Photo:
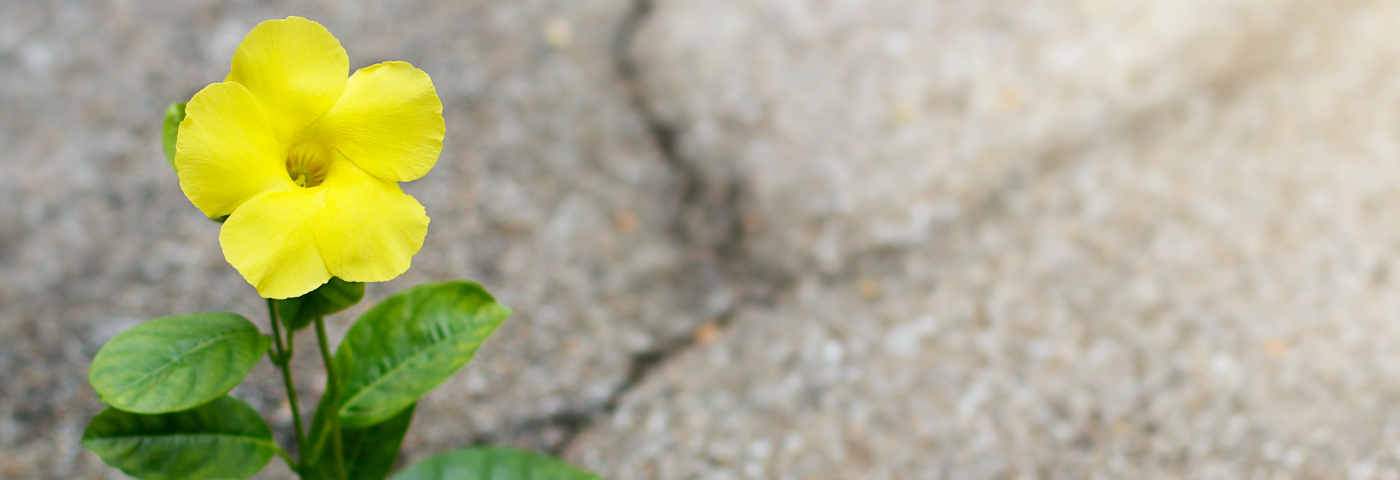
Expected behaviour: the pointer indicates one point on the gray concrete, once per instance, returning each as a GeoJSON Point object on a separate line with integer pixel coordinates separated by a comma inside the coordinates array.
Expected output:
{"type": "Point", "coordinates": [549, 191]}
{"type": "Point", "coordinates": [842, 239]}
{"type": "Point", "coordinates": [1061, 240]}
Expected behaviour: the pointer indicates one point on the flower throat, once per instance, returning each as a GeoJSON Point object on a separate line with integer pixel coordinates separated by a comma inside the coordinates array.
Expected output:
{"type": "Point", "coordinates": [307, 164]}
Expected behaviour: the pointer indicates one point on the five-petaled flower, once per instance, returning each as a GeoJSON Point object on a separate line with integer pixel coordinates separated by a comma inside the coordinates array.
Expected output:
{"type": "Point", "coordinates": [305, 162]}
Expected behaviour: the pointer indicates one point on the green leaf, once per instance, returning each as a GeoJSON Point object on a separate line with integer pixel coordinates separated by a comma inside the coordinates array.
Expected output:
{"type": "Point", "coordinates": [409, 344]}
{"type": "Point", "coordinates": [176, 363]}
{"type": "Point", "coordinates": [224, 438]}
{"type": "Point", "coordinates": [369, 452]}
{"type": "Point", "coordinates": [493, 463]}
{"type": "Point", "coordinates": [174, 114]}
{"type": "Point", "coordinates": [334, 296]}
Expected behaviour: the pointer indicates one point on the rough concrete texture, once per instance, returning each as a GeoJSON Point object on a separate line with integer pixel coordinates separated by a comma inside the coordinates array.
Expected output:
{"type": "Point", "coordinates": [801, 239]}
{"type": "Point", "coordinates": [1060, 240]}
{"type": "Point", "coordinates": [549, 191]}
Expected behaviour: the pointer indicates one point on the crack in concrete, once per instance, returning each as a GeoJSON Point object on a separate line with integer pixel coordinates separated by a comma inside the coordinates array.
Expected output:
{"type": "Point", "coordinates": [709, 218]}
{"type": "Point", "coordinates": [708, 223]}
{"type": "Point", "coordinates": [1223, 86]}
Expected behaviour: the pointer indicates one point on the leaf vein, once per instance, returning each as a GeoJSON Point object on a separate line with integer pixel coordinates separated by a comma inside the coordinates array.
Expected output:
{"type": "Point", "coordinates": [402, 365]}
{"type": "Point", "coordinates": [202, 345]}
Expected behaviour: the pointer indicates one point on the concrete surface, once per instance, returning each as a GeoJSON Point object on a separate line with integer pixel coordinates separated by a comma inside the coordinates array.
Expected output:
{"type": "Point", "coordinates": [1061, 240]}
{"type": "Point", "coordinates": [549, 192]}
{"type": "Point", "coordinates": [782, 239]}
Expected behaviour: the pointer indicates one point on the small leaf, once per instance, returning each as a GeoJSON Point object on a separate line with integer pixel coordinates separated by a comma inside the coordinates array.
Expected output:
{"type": "Point", "coordinates": [174, 114]}
{"type": "Point", "coordinates": [224, 438]}
{"type": "Point", "coordinates": [409, 344]}
{"type": "Point", "coordinates": [178, 362]}
{"type": "Point", "coordinates": [334, 296]}
{"type": "Point", "coordinates": [369, 452]}
{"type": "Point", "coordinates": [493, 463]}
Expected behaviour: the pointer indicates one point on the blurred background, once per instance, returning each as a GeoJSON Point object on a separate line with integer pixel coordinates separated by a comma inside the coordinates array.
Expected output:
{"type": "Point", "coordinates": [787, 239]}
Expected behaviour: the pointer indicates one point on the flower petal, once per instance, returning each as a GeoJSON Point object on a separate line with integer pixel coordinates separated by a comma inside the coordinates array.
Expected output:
{"type": "Point", "coordinates": [225, 153]}
{"type": "Point", "coordinates": [295, 68]}
{"type": "Point", "coordinates": [388, 121]}
{"type": "Point", "coordinates": [368, 230]}
{"type": "Point", "coordinates": [271, 240]}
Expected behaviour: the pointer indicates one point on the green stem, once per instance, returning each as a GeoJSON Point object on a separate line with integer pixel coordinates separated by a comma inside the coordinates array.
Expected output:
{"type": "Point", "coordinates": [332, 390]}
{"type": "Point", "coordinates": [318, 444]}
{"type": "Point", "coordinates": [283, 362]}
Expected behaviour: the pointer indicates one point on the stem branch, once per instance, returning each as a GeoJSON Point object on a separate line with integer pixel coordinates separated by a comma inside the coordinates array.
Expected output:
{"type": "Point", "coordinates": [282, 357]}
{"type": "Point", "coordinates": [333, 391]}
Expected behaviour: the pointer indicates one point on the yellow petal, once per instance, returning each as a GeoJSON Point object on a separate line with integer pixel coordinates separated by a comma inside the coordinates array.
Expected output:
{"type": "Point", "coordinates": [271, 240]}
{"type": "Point", "coordinates": [368, 229]}
{"type": "Point", "coordinates": [388, 121]}
{"type": "Point", "coordinates": [225, 153]}
{"type": "Point", "coordinates": [295, 68]}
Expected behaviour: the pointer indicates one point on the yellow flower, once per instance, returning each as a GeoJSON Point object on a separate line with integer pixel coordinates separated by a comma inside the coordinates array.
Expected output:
{"type": "Point", "coordinates": [305, 162]}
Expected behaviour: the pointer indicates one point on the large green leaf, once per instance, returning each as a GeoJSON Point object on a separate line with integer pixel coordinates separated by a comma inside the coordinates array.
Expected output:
{"type": "Point", "coordinates": [176, 363]}
{"type": "Point", "coordinates": [369, 452]}
{"type": "Point", "coordinates": [409, 344]}
{"type": "Point", "coordinates": [334, 296]}
{"type": "Point", "coordinates": [224, 438]}
{"type": "Point", "coordinates": [493, 463]}
{"type": "Point", "coordinates": [171, 129]}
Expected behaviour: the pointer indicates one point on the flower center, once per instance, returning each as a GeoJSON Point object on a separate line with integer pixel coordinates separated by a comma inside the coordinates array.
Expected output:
{"type": "Point", "coordinates": [306, 164]}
